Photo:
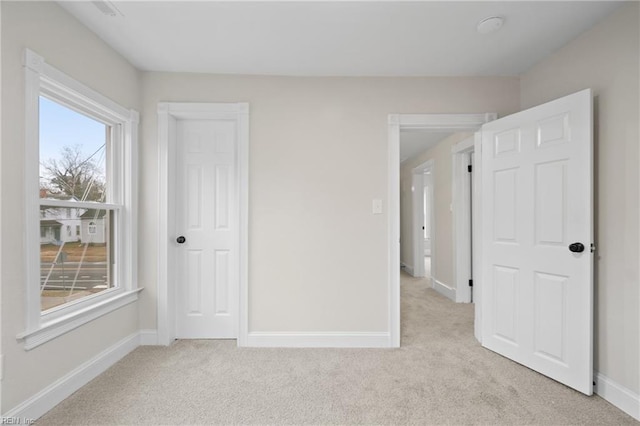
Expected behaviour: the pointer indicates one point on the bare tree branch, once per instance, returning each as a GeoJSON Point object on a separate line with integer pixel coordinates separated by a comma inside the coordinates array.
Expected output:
{"type": "Point", "coordinates": [74, 176]}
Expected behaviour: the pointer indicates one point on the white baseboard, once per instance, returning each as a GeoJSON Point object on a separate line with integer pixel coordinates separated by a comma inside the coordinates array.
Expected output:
{"type": "Point", "coordinates": [319, 340]}
{"type": "Point", "coordinates": [408, 269]}
{"type": "Point", "coordinates": [148, 337]}
{"type": "Point", "coordinates": [443, 289]}
{"type": "Point", "coordinates": [56, 392]}
{"type": "Point", "coordinates": [618, 395]}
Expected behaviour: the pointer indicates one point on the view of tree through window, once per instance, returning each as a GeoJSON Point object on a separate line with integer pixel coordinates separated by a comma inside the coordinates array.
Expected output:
{"type": "Point", "coordinates": [73, 171]}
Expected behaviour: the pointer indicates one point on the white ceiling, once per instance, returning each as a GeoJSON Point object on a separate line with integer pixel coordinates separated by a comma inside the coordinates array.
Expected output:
{"type": "Point", "coordinates": [414, 142]}
{"type": "Point", "coordinates": [338, 38]}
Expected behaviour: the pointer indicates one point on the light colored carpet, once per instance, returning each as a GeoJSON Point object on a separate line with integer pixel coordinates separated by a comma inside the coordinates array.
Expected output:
{"type": "Point", "coordinates": [440, 375]}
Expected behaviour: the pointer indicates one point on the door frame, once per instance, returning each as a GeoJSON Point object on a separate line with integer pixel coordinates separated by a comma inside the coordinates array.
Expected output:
{"type": "Point", "coordinates": [168, 115]}
{"type": "Point", "coordinates": [417, 175]}
{"type": "Point", "coordinates": [461, 199]}
{"type": "Point", "coordinates": [395, 123]}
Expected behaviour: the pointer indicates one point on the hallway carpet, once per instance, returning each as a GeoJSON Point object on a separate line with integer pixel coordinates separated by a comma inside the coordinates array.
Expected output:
{"type": "Point", "coordinates": [440, 375]}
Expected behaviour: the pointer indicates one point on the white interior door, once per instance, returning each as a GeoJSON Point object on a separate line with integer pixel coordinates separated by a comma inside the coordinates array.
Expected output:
{"type": "Point", "coordinates": [207, 217]}
{"type": "Point", "coordinates": [537, 294]}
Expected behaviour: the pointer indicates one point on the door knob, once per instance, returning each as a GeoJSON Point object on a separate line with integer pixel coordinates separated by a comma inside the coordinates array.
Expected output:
{"type": "Point", "coordinates": [181, 239]}
{"type": "Point", "coordinates": [576, 247]}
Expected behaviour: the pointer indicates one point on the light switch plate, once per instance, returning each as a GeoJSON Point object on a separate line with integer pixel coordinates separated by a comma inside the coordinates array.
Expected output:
{"type": "Point", "coordinates": [377, 206]}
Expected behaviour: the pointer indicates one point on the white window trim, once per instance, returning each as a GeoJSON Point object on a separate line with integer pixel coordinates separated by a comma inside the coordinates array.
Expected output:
{"type": "Point", "coordinates": [41, 77]}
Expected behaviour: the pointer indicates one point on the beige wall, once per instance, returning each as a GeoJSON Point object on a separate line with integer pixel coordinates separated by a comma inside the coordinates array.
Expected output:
{"type": "Point", "coordinates": [606, 59]}
{"type": "Point", "coordinates": [318, 156]}
{"type": "Point", "coordinates": [442, 234]}
{"type": "Point", "coordinates": [51, 32]}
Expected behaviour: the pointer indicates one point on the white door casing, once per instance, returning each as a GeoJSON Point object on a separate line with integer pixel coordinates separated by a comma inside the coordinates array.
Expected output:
{"type": "Point", "coordinates": [462, 208]}
{"type": "Point", "coordinates": [170, 278]}
{"type": "Point", "coordinates": [537, 295]}
{"type": "Point", "coordinates": [396, 122]}
{"type": "Point", "coordinates": [207, 218]}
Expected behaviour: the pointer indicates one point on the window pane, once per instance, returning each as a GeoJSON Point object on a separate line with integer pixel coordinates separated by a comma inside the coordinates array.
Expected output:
{"type": "Point", "coordinates": [73, 154]}
{"type": "Point", "coordinates": [74, 265]}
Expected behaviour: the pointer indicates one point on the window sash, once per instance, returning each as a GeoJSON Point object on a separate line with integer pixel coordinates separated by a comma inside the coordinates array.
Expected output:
{"type": "Point", "coordinates": [93, 205]}
{"type": "Point", "coordinates": [114, 249]}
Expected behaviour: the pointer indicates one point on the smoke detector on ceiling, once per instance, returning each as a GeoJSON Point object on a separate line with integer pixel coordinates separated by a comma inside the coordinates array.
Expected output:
{"type": "Point", "coordinates": [490, 24]}
{"type": "Point", "coordinates": [107, 8]}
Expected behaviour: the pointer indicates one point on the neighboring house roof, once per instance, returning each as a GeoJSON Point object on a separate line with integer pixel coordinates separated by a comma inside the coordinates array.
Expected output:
{"type": "Point", "coordinates": [61, 197]}
{"type": "Point", "coordinates": [93, 214]}
{"type": "Point", "coordinates": [49, 222]}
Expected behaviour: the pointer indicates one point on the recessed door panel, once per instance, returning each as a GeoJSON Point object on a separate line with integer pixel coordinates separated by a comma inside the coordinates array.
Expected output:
{"type": "Point", "coordinates": [223, 278]}
{"type": "Point", "coordinates": [505, 303]}
{"type": "Point", "coordinates": [507, 143]}
{"type": "Point", "coordinates": [550, 311]}
{"type": "Point", "coordinates": [194, 196]}
{"type": "Point", "coordinates": [505, 199]}
{"type": "Point", "coordinates": [553, 131]}
{"type": "Point", "coordinates": [551, 202]}
{"type": "Point", "coordinates": [223, 195]}
{"type": "Point", "coordinates": [224, 137]}
{"type": "Point", "coordinates": [194, 282]}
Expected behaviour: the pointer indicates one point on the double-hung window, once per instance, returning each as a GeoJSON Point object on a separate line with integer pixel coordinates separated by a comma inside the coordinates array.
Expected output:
{"type": "Point", "coordinates": [80, 153]}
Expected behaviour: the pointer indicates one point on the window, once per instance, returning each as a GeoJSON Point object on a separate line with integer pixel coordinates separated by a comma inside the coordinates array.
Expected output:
{"type": "Point", "coordinates": [74, 150]}
{"type": "Point", "coordinates": [80, 154]}
{"type": "Point", "coordinates": [92, 228]}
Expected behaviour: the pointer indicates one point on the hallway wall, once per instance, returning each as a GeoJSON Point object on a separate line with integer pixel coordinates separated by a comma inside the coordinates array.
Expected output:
{"type": "Point", "coordinates": [442, 234]}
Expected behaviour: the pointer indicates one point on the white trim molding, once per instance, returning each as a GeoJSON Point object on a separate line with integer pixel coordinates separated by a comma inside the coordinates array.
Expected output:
{"type": "Point", "coordinates": [148, 337]}
{"type": "Point", "coordinates": [477, 234]}
{"type": "Point", "coordinates": [168, 114]}
{"type": "Point", "coordinates": [56, 392]}
{"type": "Point", "coordinates": [395, 123]}
{"type": "Point", "coordinates": [461, 197]}
{"type": "Point", "coordinates": [393, 228]}
{"type": "Point", "coordinates": [408, 268]}
{"type": "Point", "coordinates": [445, 290]}
{"type": "Point", "coordinates": [618, 395]}
{"type": "Point", "coordinates": [318, 340]}
{"type": "Point", "coordinates": [51, 329]}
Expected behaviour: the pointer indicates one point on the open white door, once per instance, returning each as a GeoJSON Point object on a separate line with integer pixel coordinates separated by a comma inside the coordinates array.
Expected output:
{"type": "Point", "coordinates": [537, 221]}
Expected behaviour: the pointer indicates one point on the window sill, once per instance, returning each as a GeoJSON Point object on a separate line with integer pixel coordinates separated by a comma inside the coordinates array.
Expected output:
{"type": "Point", "coordinates": [56, 327]}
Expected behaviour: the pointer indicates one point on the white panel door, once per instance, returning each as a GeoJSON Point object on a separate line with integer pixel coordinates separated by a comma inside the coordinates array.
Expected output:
{"type": "Point", "coordinates": [207, 218]}
{"type": "Point", "coordinates": [537, 294]}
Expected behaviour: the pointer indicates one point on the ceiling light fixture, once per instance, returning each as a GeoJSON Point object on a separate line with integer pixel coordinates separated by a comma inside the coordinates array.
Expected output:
{"type": "Point", "coordinates": [107, 8]}
{"type": "Point", "coordinates": [490, 24]}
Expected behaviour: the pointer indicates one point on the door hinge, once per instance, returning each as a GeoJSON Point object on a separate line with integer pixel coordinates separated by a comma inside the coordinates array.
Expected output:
{"type": "Point", "coordinates": [469, 168]}
{"type": "Point", "coordinates": [470, 283]}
